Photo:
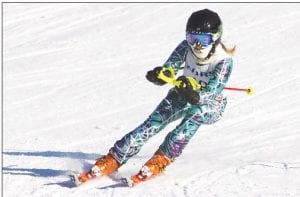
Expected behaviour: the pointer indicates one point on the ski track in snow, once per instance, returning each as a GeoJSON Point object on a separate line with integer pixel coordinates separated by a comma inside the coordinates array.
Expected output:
{"type": "Point", "coordinates": [73, 84]}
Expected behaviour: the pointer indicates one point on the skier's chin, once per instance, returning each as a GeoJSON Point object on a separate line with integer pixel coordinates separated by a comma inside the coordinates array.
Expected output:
{"type": "Point", "coordinates": [201, 54]}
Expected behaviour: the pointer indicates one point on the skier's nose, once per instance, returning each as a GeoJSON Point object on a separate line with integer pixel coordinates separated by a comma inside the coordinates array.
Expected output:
{"type": "Point", "coordinates": [198, 46]}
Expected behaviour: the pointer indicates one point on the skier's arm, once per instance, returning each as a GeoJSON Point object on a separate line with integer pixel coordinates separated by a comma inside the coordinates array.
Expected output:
{"type": "Point", "coordinates": [217, 81]}
{"type": "Point", "coordinates": [177, 57]}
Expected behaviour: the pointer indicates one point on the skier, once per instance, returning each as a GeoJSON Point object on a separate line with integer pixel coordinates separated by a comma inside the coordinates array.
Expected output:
{"type": "Point", "coordinates": [206, 60]}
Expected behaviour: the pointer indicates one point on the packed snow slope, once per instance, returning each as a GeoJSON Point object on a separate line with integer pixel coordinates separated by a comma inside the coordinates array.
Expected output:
{"type": "Point", "coordinates": [74, 83]}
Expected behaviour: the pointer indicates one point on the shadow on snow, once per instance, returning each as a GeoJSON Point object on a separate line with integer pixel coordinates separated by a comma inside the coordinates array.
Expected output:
{"type": "Point", "coordinates": [74, 155]}
{"type": "Point", "coordinates": [38, 172]}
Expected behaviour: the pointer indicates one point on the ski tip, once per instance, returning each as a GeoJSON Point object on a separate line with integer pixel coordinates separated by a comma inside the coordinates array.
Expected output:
{"type": "Point", "coordinates": [128, 181]}
{"type": "Point", "coordinates": [74, 177]}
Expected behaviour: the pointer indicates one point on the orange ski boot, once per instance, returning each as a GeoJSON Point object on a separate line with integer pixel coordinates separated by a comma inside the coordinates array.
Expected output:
{"type": "Point", "coordinates": [153, 167]}
{"type": "Point", "coordinates": [103, 166]}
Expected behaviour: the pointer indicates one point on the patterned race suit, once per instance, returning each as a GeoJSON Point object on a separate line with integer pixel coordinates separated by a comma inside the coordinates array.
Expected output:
{"type": "Point", "coordinates": [212, 75]}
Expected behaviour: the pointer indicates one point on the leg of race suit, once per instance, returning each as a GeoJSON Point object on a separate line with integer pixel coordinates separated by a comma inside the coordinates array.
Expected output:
{"type": "Point", "coordinates": [196, 115]}
{"type": "Point", "coordinates": [170, 109]}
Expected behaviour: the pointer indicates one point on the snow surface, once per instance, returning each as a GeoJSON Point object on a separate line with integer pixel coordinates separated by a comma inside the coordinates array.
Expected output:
{"type": "Point", "coordinates": [74, 84]}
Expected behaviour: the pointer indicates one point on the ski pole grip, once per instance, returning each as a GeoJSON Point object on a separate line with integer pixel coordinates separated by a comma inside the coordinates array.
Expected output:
{"type": "Point", "coordinates": [167, 79]}
{"type": "Point", "coordinates": [171, 79]}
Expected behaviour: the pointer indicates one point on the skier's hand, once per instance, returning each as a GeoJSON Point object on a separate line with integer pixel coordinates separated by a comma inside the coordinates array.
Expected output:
{"type": "Point", "coordinates": [185, 89]}
{"type": "Point", "coordinates": [152, 75]}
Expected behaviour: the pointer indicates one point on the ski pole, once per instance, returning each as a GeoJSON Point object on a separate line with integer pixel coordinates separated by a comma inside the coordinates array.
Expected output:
{"type": "Point", "coordinates": [248, 90]}
{"type": "Point", "coordinates": [171, 80]}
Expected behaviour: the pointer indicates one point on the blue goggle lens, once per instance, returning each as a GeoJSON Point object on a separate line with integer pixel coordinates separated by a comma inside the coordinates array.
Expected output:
{"type": "Point", "coordinates": [204, 39]}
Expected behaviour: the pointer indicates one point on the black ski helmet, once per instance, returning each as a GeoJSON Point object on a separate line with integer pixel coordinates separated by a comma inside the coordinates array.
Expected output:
{"type": "Point", "coordinates": [206, 21]}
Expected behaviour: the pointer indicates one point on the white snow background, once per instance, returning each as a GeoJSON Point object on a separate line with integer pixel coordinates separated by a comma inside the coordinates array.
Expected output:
{"type": "Point", "coordinates": [74, 83]}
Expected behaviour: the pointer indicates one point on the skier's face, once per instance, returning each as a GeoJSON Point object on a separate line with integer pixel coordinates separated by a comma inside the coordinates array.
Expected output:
{"type": "Point", "coordinates": [200, 43]}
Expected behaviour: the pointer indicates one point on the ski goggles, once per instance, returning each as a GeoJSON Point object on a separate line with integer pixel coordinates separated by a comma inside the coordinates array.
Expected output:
{"type": "Point", "coordinates": [204, 39]}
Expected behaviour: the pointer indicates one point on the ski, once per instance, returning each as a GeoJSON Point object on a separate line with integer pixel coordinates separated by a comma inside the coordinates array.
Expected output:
{"type": "Point", "coordinates": [128, 181]}
{"type": "Point", "coordinates": [74, 177]}
{"type": "Point", "coordinates": [79, 178]}
{"type": "Point", "coordinates": [133, 180]}
{"type": "Point", "coordinates": [121, 181]}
